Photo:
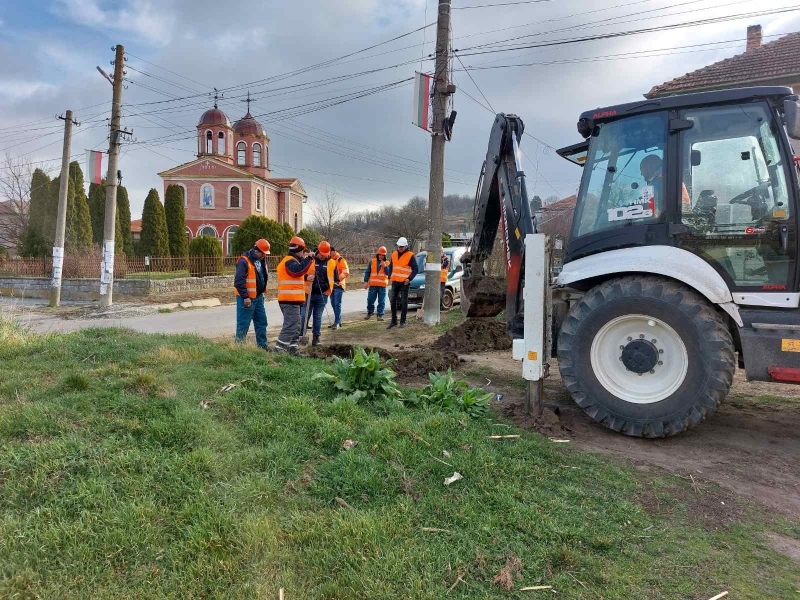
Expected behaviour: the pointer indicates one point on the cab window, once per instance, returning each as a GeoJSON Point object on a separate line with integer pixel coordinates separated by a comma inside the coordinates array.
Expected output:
{"type": "Point", "coordinates": [623, 181]}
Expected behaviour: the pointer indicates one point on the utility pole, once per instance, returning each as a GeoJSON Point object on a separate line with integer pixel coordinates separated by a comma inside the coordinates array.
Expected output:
{"type": "Point", "coordinates": [61, 220]}
{"type": "Point", "coordinates": [107, 266]}
{"type": "Point", "coordinates": [441, 92]}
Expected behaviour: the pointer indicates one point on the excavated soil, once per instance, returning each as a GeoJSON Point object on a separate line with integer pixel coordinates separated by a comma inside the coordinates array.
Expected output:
{"type": "Point", "coordinates": [475, 335]}
{"type": "Point", "coordinates": [487, 295]}
{"type": "Point", "coordinates": [414, 363]}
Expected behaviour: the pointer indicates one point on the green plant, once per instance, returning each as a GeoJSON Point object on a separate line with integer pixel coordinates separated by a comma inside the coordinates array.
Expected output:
{"type": "Point", "coordinates": [155, 236]}
{"type": "Point", "coordinates": [176, 221]}
{"type": "Point", "coordinates": [256, 227]}
{"type": "Point", "coordinates": [362, 378]}
{"type": "Point", "coordinates": [205, 256]}
{"type": "Point", "coordinates": [449, 394]}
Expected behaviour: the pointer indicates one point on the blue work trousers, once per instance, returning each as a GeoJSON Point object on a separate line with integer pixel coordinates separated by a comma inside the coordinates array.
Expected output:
{"type": "Point", "coordinates": [336, 302]}
{"type": "Point", "coordinates": [255, 314]}
{"type": "Point", "coordinates": [376, 293]}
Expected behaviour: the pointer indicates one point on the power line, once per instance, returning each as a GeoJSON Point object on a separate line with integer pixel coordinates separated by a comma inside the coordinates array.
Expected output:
{"type": "Point", "coordinates": [498, 4]}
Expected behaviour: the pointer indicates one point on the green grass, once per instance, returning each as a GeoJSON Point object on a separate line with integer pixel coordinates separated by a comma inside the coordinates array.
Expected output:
{"type": "Point", "coordinates": [124, 474]}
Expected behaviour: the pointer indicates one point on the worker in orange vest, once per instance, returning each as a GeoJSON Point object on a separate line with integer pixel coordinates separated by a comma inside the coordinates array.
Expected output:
{"type": "Point", "coordinates": [326, 275]}
{"type": "Point", "coordinates": [402, 269]}
{"type": "Point", "coordinates": [292, 273]}
{"type": "Point", "coordinates": [249, 285]}
{"type": "Point", "coordinates": [376, 280]}
{"type": "Point", "coordinates": [443, 274]}
{"type": "Point", "coordinates": [339, 287]}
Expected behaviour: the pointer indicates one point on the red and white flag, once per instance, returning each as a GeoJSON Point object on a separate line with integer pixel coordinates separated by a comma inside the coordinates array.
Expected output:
{"type": "Point", "coordinates": [94, 166]}
{"type": "Point", "coordinates": [422, 101]}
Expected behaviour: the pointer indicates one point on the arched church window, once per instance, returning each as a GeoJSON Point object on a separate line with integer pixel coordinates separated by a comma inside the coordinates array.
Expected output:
{"type": "Point", "coordinates": [221, 143]}
{"type": "Point", "coordinates": [258, 200]}
{"type": "Point", "coordinates": [209, 142]}
{"type": "Point", "coordinates": [256, 155]}
{"type": "Point", "coordinates": [295, 222]}
{"type": "Point", "coordinates": [234, 197]}
{"type": "Point", "coordinates": [241, 153]}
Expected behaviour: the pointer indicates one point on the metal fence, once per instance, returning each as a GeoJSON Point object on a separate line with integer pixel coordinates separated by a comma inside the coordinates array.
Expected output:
{"type": "Point", "coordinates": [88, 266]}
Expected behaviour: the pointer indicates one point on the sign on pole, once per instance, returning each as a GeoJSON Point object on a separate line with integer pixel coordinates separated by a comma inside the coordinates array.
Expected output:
{"type": "Point", "coordinates": [94, 166]}
{"type": "Point", "coordinates": [422, 101]}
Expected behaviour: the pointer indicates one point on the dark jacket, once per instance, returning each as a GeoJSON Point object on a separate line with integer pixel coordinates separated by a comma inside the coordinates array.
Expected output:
{"type": "Point", "coordinates": [298, 266]}
{"type": "Point", "coordinates": [240, 279]}
{"type": "Point", "coordinates": [321, 284]}
{"type": "Point", "coordinates": [412, 264]}
{"type": "Point", "coordinates": [445, 263]}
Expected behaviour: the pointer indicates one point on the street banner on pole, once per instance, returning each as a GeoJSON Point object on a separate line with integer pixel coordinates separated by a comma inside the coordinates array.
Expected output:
{"type": "Point", "coordinates": [94, 166]}
{"type": "Point", "coordinates": [422, 101]}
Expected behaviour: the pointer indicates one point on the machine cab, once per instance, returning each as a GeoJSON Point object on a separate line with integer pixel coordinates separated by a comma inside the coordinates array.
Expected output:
{"type": "Point", "coordinates": [712, 173]}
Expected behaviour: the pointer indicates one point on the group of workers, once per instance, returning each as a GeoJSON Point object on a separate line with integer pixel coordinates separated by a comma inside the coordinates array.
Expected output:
{"type": "Point", "coordinates": [306, 279]}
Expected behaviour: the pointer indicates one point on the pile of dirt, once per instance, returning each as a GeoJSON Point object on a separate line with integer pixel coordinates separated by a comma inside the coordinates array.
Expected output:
{"type": "Point", "coordinates": [483, 296]}
{"type": "Point", "coordinates": [408, 363]}
{"type": "Point", "coordinates": [475, 335]}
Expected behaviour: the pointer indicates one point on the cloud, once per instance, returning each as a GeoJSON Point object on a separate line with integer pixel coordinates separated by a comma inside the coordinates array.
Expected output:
{"type": "Point", "coordinates": [142, 18]}
{"type": "Point", "coordinates": [21, 90]}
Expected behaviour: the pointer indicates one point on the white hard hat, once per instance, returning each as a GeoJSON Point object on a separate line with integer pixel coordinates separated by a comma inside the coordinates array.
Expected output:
{"type": "Point", "coordinates": [402, 242]}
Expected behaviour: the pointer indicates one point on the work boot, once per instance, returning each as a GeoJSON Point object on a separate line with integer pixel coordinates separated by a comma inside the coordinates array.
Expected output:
{"type": "Point", "coordinates": [402, 325]}
{"type": "Point", "coordinates": [392, 324]}
{"type": "Point", "coordinates": [380, 317]}
{"type": "Point", "coordinates": [315, 340]}
{"type": "Point", "coordinates": [368, 317]}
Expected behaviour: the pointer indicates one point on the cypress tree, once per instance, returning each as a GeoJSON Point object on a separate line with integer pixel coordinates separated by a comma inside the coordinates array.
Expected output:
{"type": "Point", "coordinates": [176, 221]}
{"type": "Point", "coordinates": [155, 237]}
{"type": "Point", "coordinates": [79, 223]}
{"type": "Point", "coordinates": [36, 241]}
{"type": "Point", "coordinates": [97, 210]}
{"type": "Point", "coordinates": [124, 219]}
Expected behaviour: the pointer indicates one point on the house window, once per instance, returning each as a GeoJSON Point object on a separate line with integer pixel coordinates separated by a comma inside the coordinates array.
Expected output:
{"type": "Point", "coordinates": [234, 197]}
{"type": "Point", "coordinates": [241, 153]}
{"type": "Point", "coordinates": [221, 143]}
{"type": "Point", "coordinates": [256, 155]}
{"type": "Point", "coordinates": [295, 222]}
{"type": "Point", "coordinates": [207, 230]}
{"type": "Point", "coordinates": [258, 200]}
{"type": "Point", "coordinates": [207, 196]}
{"type": "Point", "coordinates": [209, 142]}
{"type": "Point", "coordinates": [229, 239]}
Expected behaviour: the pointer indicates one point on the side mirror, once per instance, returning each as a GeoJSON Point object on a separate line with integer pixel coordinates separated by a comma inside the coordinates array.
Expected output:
{"type": "Point", "coordinates": [791, 114]}
{"type": "Point", "coordinates": [696, 158]}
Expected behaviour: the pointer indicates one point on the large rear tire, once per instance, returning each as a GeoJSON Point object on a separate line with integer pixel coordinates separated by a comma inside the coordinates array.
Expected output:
{"type": "Point", "coordinates": [646, 356]}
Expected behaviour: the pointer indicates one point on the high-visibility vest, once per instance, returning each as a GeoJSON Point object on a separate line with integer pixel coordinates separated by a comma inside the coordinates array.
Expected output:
{"type": "Point", "coordinates": [444, 272]}
{"type": "Point", "coordinates": [291, 287]}
{"type": "Point", "coordinates": [331, 266]}
{"type": "Point", "coordinates": [377, 274]}
{"type": "Point", "coordinates": [401, 269]}
{"type": "Point", "coordinates": [344, 271]}
{"type": "Point", "coordinates": [250, 282]}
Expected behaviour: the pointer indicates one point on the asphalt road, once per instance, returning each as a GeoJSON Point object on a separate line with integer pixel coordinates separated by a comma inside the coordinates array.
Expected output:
{"type": "Point", "coordinates": [208, 322]}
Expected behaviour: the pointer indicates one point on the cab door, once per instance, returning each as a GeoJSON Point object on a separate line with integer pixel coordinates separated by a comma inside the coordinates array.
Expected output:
{"type": "Point", "coordinates": [736, 210]}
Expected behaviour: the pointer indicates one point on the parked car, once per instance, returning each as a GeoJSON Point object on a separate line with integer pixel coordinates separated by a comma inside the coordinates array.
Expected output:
{"type": "Point", "coordinates": [452, 290]}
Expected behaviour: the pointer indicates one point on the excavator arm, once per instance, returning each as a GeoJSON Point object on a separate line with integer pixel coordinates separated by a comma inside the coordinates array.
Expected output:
{"type": "Point", "coordinates": [501, 199]}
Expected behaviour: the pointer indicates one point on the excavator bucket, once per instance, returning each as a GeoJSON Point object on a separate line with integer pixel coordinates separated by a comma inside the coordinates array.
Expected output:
{"type": "Point", "coordinates": [483, 296]}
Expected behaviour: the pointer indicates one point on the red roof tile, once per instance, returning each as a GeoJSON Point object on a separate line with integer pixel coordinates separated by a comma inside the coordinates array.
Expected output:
{"type": "Point", "coordinates": [136, 226]}
{"type": "Point", "coordinates": [283, 181]}
{"type": "Point", "coordinates": [773, 63]}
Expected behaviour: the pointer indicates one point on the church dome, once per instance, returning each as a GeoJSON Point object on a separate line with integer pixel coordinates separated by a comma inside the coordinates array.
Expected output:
{"type": "Point", "coordinates": [247, 125]}
{"type": "Point", "coordinates": [214, 116]}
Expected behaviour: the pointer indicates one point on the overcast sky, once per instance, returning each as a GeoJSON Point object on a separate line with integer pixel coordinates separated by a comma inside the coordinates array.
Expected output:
{"type": "Point", "coordinates": [366, 149]}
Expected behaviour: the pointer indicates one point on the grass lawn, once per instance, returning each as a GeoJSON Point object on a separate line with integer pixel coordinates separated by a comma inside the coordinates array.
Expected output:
{"type": "Point", "coordinates": [123, 474]}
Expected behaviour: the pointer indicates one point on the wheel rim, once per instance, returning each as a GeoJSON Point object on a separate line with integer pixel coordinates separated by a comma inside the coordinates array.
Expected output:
{"type": "Point", "coordinates": [639, 359]}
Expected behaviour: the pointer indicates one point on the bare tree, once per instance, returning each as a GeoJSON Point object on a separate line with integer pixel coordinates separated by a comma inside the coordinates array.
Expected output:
{"type": "Point", "coordinates": [409, 221]}
{"type": "Point", "coordinates": [15, 195]}
{"type": "Point", "coordinates": [326, 217]}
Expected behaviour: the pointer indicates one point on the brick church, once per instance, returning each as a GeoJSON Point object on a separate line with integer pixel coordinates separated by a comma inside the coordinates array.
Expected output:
{"type": "Point", "coordinates": [230, 180]}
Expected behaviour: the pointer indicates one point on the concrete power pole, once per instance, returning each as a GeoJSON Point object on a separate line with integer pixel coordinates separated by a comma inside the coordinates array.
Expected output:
{"type": "Point", "coordinates": [109, 226]}
{"type": "Point", "coordinates": [61, 220]}
{"type": "Point", "coordinates": [441, 92]}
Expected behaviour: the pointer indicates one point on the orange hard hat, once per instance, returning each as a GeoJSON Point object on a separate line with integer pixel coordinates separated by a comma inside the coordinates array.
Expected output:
{"type": "Point", "coordinates": [297, 241]}
{"type": "Point", "coordinates": [262, 245]}
{"type": "Point", "coordinates": [382, 250]}
{"type": "Point", "coordinates": [324, 248]}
